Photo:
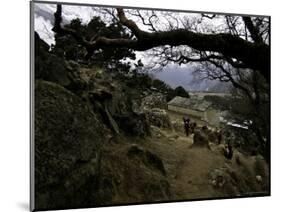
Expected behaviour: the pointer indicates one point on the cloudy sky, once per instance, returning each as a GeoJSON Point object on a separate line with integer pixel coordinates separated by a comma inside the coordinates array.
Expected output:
{"type": "Point", "coordinates": [44, 18]}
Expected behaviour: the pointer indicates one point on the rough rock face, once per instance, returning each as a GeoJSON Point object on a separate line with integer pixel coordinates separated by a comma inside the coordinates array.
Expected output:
{"type": "Point", "coordinates": [132, 174]}
{"type": "Point", "coordinates": [68, 138]}
{"type": "Point", "coordinates": [148, 158]}
{"type": "Point", "coordinates": [114, 103]}
{"type": "Point", "coordinates": [132, 124]}
{"type": "Point", "coordinates": [125, 114]}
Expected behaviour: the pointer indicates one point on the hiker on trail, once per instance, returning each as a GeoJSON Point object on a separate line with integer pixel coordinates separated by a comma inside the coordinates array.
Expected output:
{"type": "Point", "coordinates": [193, 126]}
{"type": "Point", "coordinates": [228, 152]}
{"type": "Point", "coordinates": [186, 125]}
{"type": "Point", "coordinates": [219, 136]}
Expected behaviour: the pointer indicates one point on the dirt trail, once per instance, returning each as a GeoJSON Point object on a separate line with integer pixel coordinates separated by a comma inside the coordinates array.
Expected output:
{"type": "Point", "coordinates": [187, 168]}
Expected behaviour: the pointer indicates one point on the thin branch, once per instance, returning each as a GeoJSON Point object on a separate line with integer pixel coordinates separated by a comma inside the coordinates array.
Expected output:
{"type": "Point", "coordinates": [149, 23]}
{"type": "Point", "coordinates": [129, 23]}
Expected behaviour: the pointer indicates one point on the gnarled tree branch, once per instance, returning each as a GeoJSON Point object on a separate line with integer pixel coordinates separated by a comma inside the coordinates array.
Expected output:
{"type": "Point", "coordinates": [254, 55]}
{"type": "Point", "coordinates": [129, 23]}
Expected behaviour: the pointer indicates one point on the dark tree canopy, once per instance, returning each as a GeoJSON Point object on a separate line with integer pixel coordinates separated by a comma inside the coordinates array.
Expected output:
{"type": "Point", "coordinates": [69, 47]}
{"type": "Point", "coordinates": [180, 91]}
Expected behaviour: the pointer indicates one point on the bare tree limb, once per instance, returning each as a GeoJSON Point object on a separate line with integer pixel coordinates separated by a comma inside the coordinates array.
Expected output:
{"type": "Point", "coordinates": [144, 22]}
{"type": "Point", "coordinates": [252, 29]}
{"type": "Point", "coordinates": [129, 23]}
{"type": "Point", "coordinates": [232, 80]}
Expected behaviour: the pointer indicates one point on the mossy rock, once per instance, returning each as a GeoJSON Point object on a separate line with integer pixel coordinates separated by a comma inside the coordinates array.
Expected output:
{"type": "Point", "coordinates": [68, 139]}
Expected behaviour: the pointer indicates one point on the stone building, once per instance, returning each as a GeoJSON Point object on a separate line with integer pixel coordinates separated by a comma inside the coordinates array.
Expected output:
{"type": "Point", "coordinates": [195, 107]}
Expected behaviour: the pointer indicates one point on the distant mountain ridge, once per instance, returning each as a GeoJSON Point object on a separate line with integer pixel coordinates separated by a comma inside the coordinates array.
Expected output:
{"type": "Point", "coordinates": [183, 76]}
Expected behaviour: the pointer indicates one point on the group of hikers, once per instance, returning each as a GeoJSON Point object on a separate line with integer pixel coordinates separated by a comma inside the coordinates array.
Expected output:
{"type": "Point", "coordinates": [189, 128]}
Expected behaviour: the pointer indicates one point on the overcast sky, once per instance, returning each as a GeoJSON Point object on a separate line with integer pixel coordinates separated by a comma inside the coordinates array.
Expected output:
{"type": "Point", "coordinates": [44, 18]}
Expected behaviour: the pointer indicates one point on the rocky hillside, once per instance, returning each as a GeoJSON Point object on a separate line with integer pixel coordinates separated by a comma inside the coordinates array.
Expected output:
{"type": "Point", "coordinates": [103, 138]}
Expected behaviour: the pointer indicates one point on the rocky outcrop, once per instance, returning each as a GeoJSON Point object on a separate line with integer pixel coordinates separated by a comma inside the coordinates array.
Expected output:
{"type": "Point", "coordinates": [153, 100]}
{"type": "Point", "coordinates": [68, 139]}
{"type": "Point", "coordinates": [131, 173]}
{"type": "Point", "coordinates": [159, 117]}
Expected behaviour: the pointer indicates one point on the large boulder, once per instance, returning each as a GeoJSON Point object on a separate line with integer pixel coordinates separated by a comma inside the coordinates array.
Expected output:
{"type": "Point", "coordinates": [147, 157]}
{"type": "Point", "coordinates": [200, 139]}
{"type": "Point", "coordinates": [68, 139]}
{"type": "Point", "coordinates": [131, 173]}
